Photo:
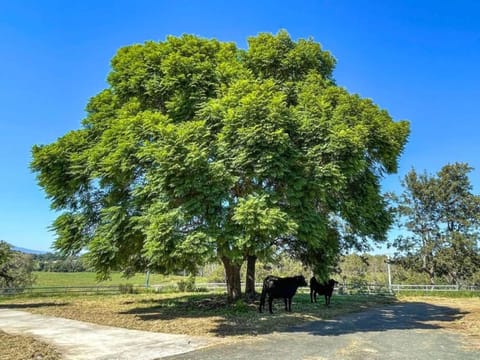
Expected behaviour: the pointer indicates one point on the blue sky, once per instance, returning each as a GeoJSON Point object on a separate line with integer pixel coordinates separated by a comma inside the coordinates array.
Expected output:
{"type": "Point", "coordinates": [416, 59]}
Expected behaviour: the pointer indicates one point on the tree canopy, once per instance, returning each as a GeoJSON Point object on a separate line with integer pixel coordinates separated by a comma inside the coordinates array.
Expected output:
{"type": "Point", "coordinates": [199, 150]}
{"type": "Point", "coordinates": [440, 217]}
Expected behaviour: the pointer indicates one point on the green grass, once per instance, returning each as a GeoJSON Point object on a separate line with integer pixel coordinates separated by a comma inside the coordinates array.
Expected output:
{"type": "Point", "coordinates": [439, 294]}
{"type": "Point", "coordinates": [50, 279]}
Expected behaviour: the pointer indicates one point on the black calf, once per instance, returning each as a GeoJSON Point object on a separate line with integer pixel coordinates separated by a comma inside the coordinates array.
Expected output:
{"type": "Point", "coordinates": [277, 287]}
{"type": "Point", "coordinates": [321, 289]}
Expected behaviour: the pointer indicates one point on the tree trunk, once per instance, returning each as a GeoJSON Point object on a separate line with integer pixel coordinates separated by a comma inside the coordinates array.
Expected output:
{"type": "Point", "coordinates": [428, 268]}
{"type": "Point", "coordinates": [250, 278]}
{"type": "Point", "coordinates": [232, 275]}
{"type": "Point", "coordinates": [431, 275]}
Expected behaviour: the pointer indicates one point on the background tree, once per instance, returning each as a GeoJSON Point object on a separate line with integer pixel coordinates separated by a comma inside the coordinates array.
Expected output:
{"type": "Point", "coordinates": [15, 268]}
{"type": "Point", "coordinates": [199, 151]}
{"type": "Point", "coordinates": [55, 262]}
{"type": "Point", "coordinates": [441, 218]}
{"type": "Point", "coordinates": [363, 269]}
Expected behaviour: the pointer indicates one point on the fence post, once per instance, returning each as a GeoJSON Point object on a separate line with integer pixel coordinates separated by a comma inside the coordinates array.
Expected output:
{"type": "Point", "coordinates": [147, 279]}
{"type": "Point", "coordinates": [389, 275]}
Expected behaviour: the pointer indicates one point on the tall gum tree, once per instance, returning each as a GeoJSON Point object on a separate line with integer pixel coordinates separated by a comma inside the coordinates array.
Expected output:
{"type": "Point", "coordinates": [440, 221]}
{"type": "Point", "coordinates": [199, 150]}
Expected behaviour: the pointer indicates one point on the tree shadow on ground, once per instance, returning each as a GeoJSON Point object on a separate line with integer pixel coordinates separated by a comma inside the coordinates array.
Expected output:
{"type": "Point", "coordinates": [183, 306]}
{"type": "Point", "coordinates": [244, 319]}
{"type": "Point", "coordinates": [32, 305]}
{"type": "Point", "coordinates": [400, 316]}
{"type": "Point", "coordinates": [210, 311]}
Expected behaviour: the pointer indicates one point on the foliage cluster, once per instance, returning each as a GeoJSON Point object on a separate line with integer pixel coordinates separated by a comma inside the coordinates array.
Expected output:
{"type": "Point", "coordinates": [16, 269]}
{"type": "Point", "coordinates": [55, 262]}
{"type": "Point", "coordinates": [283, 266]}
{"type": "Point", "coordinates": [353, 269]}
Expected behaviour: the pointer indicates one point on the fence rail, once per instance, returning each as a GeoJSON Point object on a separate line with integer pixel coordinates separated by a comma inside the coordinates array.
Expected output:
{"type": "Point", "coordinates": [347, 289]}
{"type": "Point", "coordinates": [400, 287]}
{"type": "Point", "coordinates": [58, 290]}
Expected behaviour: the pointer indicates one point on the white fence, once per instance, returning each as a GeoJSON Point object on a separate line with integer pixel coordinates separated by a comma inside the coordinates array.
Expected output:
{"type": "Point", "coordinates": [58, 290]}
{"type": "Point", "coordinates": [206, 286]}
{"type": "Point", "coordinates": [399, 288]}
{"type": "Point", "coordinates": [345, 289]}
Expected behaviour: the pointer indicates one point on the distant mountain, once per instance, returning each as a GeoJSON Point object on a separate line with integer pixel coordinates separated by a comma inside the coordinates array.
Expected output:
{"type": "Point", "coordinates": [27, 251]}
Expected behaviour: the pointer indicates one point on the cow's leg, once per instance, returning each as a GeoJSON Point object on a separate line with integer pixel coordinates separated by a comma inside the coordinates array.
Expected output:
{"type": "Point", "coordinates": [262, 299]}
{"type": "Point", "coordinates": [286, 303]}
{"type": "Point", "coordinates": [270, 301]}
{"type": "Point", "coordinates": [312, 294]}
{"type": "Point", "coordinates": [290, 304]}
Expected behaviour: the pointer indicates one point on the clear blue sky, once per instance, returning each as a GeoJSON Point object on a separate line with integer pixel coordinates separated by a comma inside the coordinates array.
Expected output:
{"type": "Point", "coordinates": [417, 59]}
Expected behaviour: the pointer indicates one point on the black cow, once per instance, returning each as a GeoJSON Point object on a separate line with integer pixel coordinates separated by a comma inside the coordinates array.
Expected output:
{"type": "Point", "coordinates": [277, 288]}
{"type": "Point", "coordinates": [321, 289]}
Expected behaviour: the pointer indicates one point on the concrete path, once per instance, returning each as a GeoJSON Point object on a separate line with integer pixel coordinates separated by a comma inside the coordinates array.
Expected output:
{"type": "Point", "coordinates": [78, 340]}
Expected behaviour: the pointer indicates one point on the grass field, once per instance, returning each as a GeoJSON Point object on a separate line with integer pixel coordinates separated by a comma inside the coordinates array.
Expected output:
{"type": "Point", "coordinates": [46, 279]}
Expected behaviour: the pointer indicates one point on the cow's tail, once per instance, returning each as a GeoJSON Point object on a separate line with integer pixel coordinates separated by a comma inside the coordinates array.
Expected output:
{"type": "Point", "coordinates": [262, 298]}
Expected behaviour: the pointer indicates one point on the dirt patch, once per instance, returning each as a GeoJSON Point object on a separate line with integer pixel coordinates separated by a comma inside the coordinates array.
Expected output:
{"type": "Point", "coordinates": [21, 347]}
{"type": "Point", "coordinates": [468, 324]}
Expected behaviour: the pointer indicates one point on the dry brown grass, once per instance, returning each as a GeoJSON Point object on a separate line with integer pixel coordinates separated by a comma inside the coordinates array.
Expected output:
{"type": "Point", "coordinates": [191, 314]}
{"type": "Point", "coordinates": [21, 347]}
{"type": "Point", "coordinates": [468, 324]}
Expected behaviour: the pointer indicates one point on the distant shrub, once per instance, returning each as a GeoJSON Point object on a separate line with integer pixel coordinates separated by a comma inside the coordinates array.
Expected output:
{"type": "Point", "coordinates": [167, 289]}
{"type": "Point", "coordinates": [127, 289]}
{"type": "Point", "coordinates": [187, 285]}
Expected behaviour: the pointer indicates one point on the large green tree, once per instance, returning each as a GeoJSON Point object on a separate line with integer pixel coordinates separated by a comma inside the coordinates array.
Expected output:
{"type": "Point", "coordinates": [440, 221]}
{"type": "Point", "coordinates": [199, 150]}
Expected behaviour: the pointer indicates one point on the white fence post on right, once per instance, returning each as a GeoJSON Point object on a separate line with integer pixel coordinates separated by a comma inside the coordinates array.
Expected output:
{"type": "Point", "coordinates": [389, 275]}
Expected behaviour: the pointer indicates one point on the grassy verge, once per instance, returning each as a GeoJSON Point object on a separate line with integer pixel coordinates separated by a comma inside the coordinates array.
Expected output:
{"type": "Point", "coordinates": [47, 279]}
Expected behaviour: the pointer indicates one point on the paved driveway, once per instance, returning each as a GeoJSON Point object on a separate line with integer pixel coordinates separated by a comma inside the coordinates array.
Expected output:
{"type": "Point", "coordinates": [401, 331]}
